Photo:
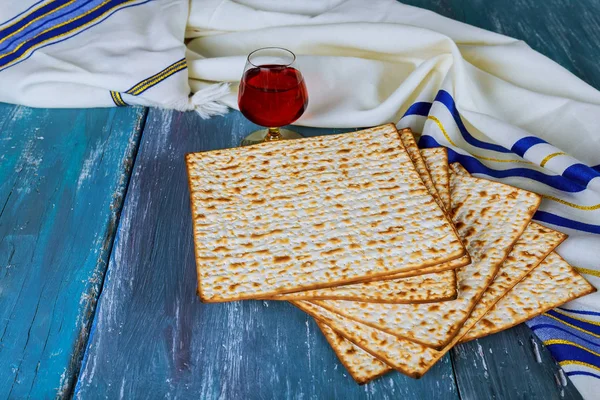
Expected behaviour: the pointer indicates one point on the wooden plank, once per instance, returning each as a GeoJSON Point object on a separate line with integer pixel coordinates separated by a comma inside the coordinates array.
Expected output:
{"type": "Point", "coordinates": [63, 174]}
{"type": "Point", "coordinates": [513, 364]}
{"type": "Point", "coordinates": [152, 337]}
{"type": "Point", "coordinates": [565, 31]}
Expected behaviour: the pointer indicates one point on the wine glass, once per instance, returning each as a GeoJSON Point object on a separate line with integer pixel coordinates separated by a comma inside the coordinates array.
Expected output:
{"type": "Point", "coordinates": [272, 93]}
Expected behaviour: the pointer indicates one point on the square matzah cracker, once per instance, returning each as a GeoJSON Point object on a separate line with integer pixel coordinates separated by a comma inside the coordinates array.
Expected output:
{"type": "Point", "coordinates": [425, 288]}
{"type": "Point", "coordinates": [280, 217]}
{"type": "Point", "coordinates": [490, 217]}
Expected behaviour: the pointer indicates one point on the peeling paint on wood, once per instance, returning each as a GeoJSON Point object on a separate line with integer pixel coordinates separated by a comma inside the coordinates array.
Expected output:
{"type": "Point", "coordinates": [506, 366]}
{"type": "Point", "coordinates": [63, 174]}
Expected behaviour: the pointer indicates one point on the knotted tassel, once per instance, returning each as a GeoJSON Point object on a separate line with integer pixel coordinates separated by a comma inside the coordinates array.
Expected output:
{"type": "Point", "coordinates": [206, 101]}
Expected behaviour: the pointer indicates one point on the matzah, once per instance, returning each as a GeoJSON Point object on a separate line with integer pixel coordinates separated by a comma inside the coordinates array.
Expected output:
{"type": "Point", "coordinates": [408, 140]}
{"type": "Point", "coordinates": [280, 217]}
{"type": "Point", "coordinates": [518, 264]}
{"type": "Point", "coordinates": [427, 288]}
{"type": "Point", "coordinates": [530, 250]}
{"type": "Point", "coordinates": [360, 364]}
{"type": "Point", "coordinates": [408, 357]}
{"type": "Point", "coordinates": [436, 160]}
{"type": "Point", "coordinates": [414, 359]}
{"type": "Point", "coordinates": [416, 156]}
{"type": "Point", "coordinates": [553, 283]}
{"type": "Point", "coordinates": [451, 265]}
{"type": "Point", "coordinates": [490, 217]}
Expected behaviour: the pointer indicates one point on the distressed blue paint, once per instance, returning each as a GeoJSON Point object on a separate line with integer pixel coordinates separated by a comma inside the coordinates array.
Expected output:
{"type": "Point", "coordinates": [152, 338]}
{"type": "Point", "coordinates": [62, 177]}
{"type": "Point", "coordinates": [513, 364]}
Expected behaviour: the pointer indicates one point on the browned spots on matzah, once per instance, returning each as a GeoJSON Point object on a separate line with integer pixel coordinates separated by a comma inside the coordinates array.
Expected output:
{"type": "Point", "coordinates": [438, 286]}
{"type": "Point", "coordinates": [550, 284]}
{"type": "Point", "coordinates": [509, 219]}
{"type": "Point", "coordinates": [375, 156]}
{"type": "Point", "coordinates": [414, 359]}
{"type": "Point", "coordinates": [436, 160]}
{"type": "Point", "coordinates": [400, 353]}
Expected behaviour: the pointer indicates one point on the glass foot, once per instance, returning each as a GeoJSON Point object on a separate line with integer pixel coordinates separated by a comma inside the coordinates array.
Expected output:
{"type": "Point", "coordinates": [260, 135]}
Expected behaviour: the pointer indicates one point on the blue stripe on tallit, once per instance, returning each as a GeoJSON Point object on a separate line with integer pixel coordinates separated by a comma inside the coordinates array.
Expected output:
{"type": "Point", "coordinates": [446, 99]}
{"type": "Point", "coordinates": [522, 145]}
{"type": "Point", "coordinates": [585, 373]}
{"type": "Point", "coordinates": [421, 108]}
{"type": "Point", "coordinates": [557, 220]}
{"type": "Point", "coordinates": [58, 31]}
{"type": "Point", "coordinates": [583, 312]}
{"type": "Point", "coordinates": [553, 329]}
{"type": "Point", "coordinates": [580, 173]}
{"type": "Point", "coordinates": [549, 329]}
{"type": "Point", "coordinates": [32, 16]}
{"type": "Point", "coordinates": [595, 329]}
{"type": "Point", "coordinates": [577, 175]}
{"type": "Point", "coordinates": [77, 30]}
{"type": "Point", "coordinates": [563, 351]}
{"type": "Point", "coordinates": [19, 14]}
{"type": "Point", "coordinates": [49, 20]}
{"type": "Point", "coordinates": [473, 165]}
{"type": "Point", "coordinates": [155, 79]}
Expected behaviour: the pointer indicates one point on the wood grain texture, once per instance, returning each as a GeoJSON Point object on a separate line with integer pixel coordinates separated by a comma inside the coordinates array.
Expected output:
{"type": "Point", "coordinates": [513, 364]}
{"type": "Point", "coordinates": [152, 338]}
{"type": "Point", "coordinates": [565, 31]}
{"type": "Point", "coordinates": [63, 174]}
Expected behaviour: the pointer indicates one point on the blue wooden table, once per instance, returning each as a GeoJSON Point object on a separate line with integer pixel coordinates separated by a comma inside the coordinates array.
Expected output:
{"type": "Point", "coordinates": [97, 275]}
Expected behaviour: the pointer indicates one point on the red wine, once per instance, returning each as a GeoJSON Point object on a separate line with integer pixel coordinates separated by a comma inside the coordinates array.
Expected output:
{"type": "Point", "coordinates": [272, 95]}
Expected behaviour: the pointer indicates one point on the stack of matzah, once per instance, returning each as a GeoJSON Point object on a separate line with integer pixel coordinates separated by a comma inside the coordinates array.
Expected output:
{"type": "Point", "coordinates": [396, 254]}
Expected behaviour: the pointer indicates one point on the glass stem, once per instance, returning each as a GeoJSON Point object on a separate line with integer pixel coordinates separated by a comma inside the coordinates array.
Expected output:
{"type": "Point", "coordinates": [273, 134]}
